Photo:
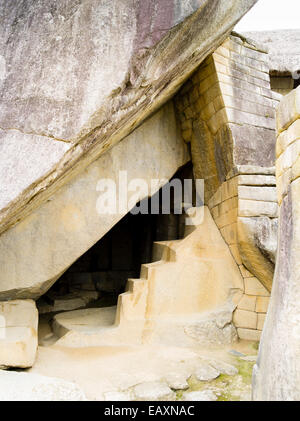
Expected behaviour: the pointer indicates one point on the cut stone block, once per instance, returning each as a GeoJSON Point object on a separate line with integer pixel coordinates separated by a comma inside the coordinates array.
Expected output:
{"type": "Point", "coordinates": [256, 180]}
{"type": "Point", "coordinates": [249, 334]}
{"type": "Point", "coordinates": [248, 208]}
{"type": "Point", "coordinates": [261, 321]}
{"type": "Point", "coordinates": [248, 302]}
{"type": "Point", "coordinates": [265, 194]}
{"type": "Point", "coordinates": [18, 333]}
{"type": "Point", "coordinates": [288, 110]}
{"type": "Point", "coordinates": [245, 319]}
{"type": "Point", "coordinates": [254, 287]}
{"type": "Point", "coordinates": [262, 304]}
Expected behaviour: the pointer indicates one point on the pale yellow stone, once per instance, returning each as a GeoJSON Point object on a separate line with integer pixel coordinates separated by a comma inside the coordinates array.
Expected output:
{"type": "Point", "coordinates": [261, 321]}
{"type": "Point", "coordinates": [254, 287]}
{"type": "Point", "coordinates": [217, 121]}
{"type": "Point", "coordinates": [220, 59]}
{"type": "Point", "coordinates": [288, 110]}
{"type": "Point", "coordinates": [215, 212]}
{"type": "Point", "coordinates": [248, 302]}
{"type": "Point", "coordinates": [18, 333]}
{"type": "Point", "coordinates": [235, 253]}
{"type": "Point", "coordinates": [283, 182]}
{"type": "Point", "coordinates": [227, 218]}
{"type": "Point", "coordinates": [249, 334]}
{"type": "Point", "coordinates": [287, 137]}
{"type": "Point", "coordinates": [296, 169]}
{"type": "Point", "coordinates": [288, 158]}
{"type": "Point", "coordinates": [262, 304]}
{"type": "Point", "coordinates": [245, 319]}
{"type": "Point", "coordinates": [228, 205]}
{"type": "Point", "coordinates": [229, 233]}
{"type": "Point", "coordinates": [223, 51]}
{"type": "Point", "coordinates": [245, 273]}
{"type": "Point", "coordinates": [221, 68]}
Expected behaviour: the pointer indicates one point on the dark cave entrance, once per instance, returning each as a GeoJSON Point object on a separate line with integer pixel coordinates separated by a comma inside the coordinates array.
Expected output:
{"type": "Point", "coordinates": [100, 275]}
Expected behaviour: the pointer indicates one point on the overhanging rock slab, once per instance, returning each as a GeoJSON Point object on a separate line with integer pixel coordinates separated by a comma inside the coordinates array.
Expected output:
{"type": "Point", "coordinates": [86, 73]}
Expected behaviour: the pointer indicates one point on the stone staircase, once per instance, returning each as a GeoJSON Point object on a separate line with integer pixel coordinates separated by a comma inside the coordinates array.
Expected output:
{"type": "Point", "coordinates": [186, 295]}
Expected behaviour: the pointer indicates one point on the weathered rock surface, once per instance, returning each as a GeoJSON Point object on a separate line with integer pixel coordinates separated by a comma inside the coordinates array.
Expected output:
{"type": "Point", "coordinates": [257, 239]}
{"type": "Point", "coordinates": [177, 381]}
{"type": "Point", "coordinates": [277, 372]}
{"type": "Point", "coordinates": [18, 333]}
{"type": "Point", "coordinates": [34, 387]}
{"type": "Point", "coordinates": [93, 72]}
{"type": "Point", "coordinates": [204, 395]}
{"type": "Point", "coordinates": [222, 367]}
{"type": "Point", "coordinates": [206, 373]}
{"type": "Point", "coordinates": [153, 391]}
{"type": "Point", "coordinates": [35, 252]}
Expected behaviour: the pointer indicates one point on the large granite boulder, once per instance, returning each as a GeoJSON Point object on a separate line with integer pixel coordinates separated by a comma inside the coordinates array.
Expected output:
{"type": "Point", "coordinates": [36, 251]}
{"type": "Point", "coordinates": [277, 373]}
{"type": "Point", "coordinates": [78, 76]}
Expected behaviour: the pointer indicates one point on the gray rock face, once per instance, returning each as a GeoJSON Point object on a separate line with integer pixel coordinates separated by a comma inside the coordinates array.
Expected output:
{"type": "Point", "coordinates": [276, 375]}
{"type": "Point", "coordinates": [78, 76]}
{"type": "Point", "coordinates": [266, 237]}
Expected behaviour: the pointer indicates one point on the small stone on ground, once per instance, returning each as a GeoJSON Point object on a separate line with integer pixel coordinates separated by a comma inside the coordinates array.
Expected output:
{"type": "Point", "coordinates": [153, 391]}
{"type": "Point", "coordinates": [204, 395]}
{"type": "Point", "coordinates": [177, 381]}
{"type": "Point", "coordinates": [206, 373]}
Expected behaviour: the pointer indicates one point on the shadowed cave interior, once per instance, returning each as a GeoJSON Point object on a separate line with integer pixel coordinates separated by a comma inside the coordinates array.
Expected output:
{"type": "Point", "coordinates": [100, 275]}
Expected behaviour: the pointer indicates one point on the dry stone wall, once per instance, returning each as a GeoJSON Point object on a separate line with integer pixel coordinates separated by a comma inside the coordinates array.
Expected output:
{"type": "Point", "coordinates": [227, 115]}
